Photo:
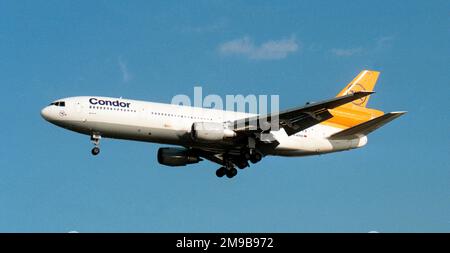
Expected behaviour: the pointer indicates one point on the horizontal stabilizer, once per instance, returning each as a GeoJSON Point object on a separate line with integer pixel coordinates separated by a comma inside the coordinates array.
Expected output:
{"type": "Point", "coordinates": [366, 127]}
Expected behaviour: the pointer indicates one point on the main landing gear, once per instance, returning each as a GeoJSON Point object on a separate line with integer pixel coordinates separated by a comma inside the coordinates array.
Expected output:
{"type": "Point", "coordinates": [230, 172]}
{"type": "Point", "coordinates": [228, 169]}
{"type": "Point", "coordinates": [253, 156]}
{"type": "Point", "coordinates": [241, 162]}
{"type": "Point", "coordinates": [95, 138]}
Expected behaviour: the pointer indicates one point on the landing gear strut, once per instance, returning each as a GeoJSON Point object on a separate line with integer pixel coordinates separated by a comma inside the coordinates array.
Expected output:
{"type": "Point", "coordinates": [95, 138]}
{"type": "Point", "coordinates": [253, 156]}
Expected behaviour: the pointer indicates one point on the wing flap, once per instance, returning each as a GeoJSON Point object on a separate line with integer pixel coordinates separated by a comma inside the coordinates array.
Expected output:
{"type": "Point", "coordinates": [306, 120]}
{"type": "Point", "coordinates": [366, 127]}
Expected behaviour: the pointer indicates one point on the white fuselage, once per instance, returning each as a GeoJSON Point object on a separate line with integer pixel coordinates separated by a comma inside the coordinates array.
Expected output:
{"type": "Point", "coordinates": [171, 124]}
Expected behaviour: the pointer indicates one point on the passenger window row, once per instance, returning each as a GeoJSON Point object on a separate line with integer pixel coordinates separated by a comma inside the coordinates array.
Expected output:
{"type": "Point", "coordinates": [153, 113]}
{"type": "Point", "coordinates": [110, 108]}
{"type": "Point", "coordinates": [179, 116]}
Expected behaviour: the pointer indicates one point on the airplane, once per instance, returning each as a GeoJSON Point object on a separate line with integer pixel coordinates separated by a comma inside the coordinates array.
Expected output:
{"type": "Point", "coordinates": [229, 138]}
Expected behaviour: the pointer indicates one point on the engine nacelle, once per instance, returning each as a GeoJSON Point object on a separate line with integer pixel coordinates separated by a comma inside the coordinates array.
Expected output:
{"type": "Point", "coordinates": [177, 156]}
{"type": "Point", "coordinates": [210, 131]}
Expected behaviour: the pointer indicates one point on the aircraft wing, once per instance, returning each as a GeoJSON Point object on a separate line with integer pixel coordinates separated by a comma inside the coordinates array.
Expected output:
{"type": "Point", "coordinates": [219, 156]}
{"type": "Point", "coordinates": [296, 119]}
{"type": "Point", "coordinates": [215, 157]}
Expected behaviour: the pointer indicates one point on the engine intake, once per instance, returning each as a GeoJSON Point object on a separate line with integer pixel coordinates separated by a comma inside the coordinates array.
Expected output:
{"type": "Point", "coordinates": [177, 156]}
{"type": "Point", "coordinates": [210, 131]}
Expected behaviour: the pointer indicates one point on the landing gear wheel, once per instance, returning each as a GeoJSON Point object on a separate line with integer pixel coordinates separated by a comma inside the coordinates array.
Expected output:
{"type": "Point", "coordinates": [221, 172]}
{"type": "Point", "coordinates": [231, 173]}
{"type": "Point", "coordinates": [256, 157]}
{"type": "Point", "coordinates": [95, 138]}
{"type": "Point", "coordinates": [95, 151]}
{"type": "Point", "coordinates": [242, 165]}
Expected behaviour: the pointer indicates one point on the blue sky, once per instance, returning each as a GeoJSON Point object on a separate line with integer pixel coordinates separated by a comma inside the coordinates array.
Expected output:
{"type": "Point", "coordinates": [399, 182]}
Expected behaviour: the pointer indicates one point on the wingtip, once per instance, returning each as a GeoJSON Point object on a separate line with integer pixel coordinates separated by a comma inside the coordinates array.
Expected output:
{"type": "Point", "coordinates": [364, 93]}
{"type": "Point", "coordinates": [371, 70]}
{"type": "Point", "coordinates": [399, 112]}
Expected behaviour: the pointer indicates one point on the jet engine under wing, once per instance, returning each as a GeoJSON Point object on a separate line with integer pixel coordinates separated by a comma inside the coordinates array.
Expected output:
{"type": "Point", "coordinates": [296, 119]}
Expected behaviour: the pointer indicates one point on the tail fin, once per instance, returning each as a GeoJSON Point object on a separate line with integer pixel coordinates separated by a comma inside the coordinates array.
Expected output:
{"type": "Point", "coordinates": [364, 81]}
{"type": "Point", "coordinates": [355, 118]}
{"type": "Point", "coordinates": [356, 112]}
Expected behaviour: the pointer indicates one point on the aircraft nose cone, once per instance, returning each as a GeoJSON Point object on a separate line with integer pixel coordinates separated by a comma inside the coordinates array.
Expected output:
{"type": "Point", "coordinates": [45, 113]}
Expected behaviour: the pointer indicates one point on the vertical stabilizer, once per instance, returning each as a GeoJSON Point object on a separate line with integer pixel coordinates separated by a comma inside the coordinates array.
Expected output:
{"type": "Point", "coordinates": [364, 81]}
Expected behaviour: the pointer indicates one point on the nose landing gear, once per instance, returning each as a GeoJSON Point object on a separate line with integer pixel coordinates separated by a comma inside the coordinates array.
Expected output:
{"type": "Point", "coordinates": [95, 138]}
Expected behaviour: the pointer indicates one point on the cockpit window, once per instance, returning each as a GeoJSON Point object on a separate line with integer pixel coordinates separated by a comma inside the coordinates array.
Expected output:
{"type": "Point", "coordinates": [59, 103]}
